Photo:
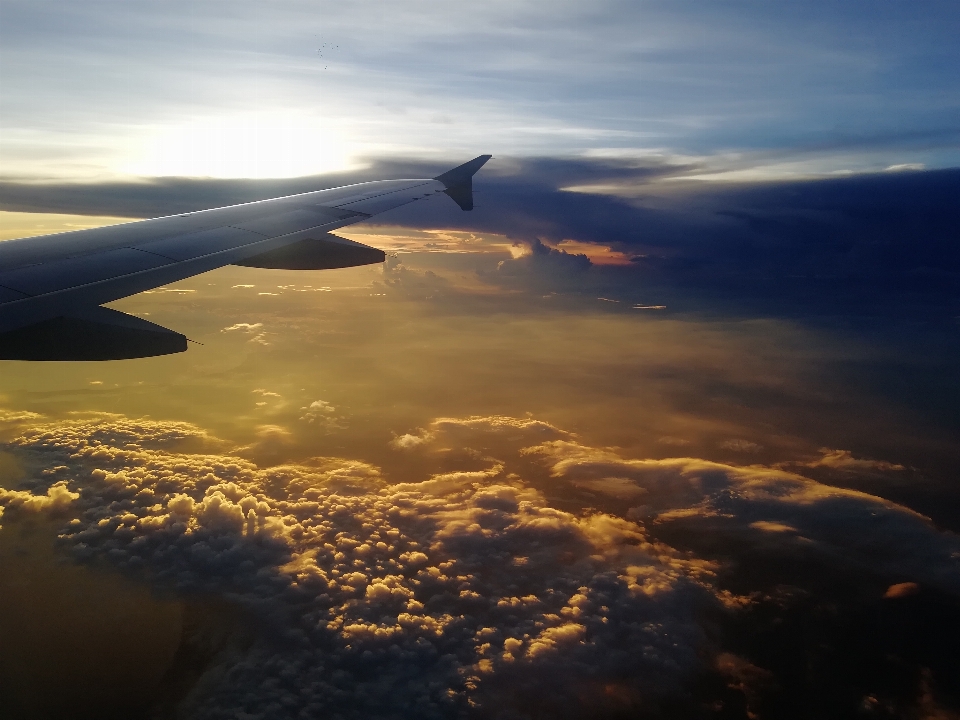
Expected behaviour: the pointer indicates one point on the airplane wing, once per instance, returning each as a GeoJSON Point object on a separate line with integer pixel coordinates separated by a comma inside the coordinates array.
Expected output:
{"type": "Point", "coordinates": [52, 287]}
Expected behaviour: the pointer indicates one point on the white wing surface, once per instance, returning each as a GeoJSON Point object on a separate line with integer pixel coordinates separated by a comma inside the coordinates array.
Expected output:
{"type": "Point", "coordinates": [51, 287]}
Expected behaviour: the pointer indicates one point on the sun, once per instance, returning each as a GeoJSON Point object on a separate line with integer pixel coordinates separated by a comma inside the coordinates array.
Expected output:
{"type": "Point", "coordinates": [248, 145]}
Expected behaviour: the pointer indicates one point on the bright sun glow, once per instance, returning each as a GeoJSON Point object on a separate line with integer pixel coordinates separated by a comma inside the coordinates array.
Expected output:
{"type": "Point", "coordinates": [254, 145]}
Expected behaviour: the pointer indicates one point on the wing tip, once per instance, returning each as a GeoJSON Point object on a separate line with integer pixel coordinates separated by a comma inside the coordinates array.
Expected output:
{"type": "Point", "coordinates": [459, 181]}
{"type": "Point", "coordinates": [462, 173]}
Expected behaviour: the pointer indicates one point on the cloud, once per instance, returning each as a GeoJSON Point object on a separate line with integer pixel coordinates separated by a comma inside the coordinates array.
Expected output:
{"type": "Point", "coordinates": [452, 483]}
{"type": "Point", "coordinates": [254, 329]}
{"type": "Point", "coordinates": [478, 438]}
{"type": "Point", "coordinates": [543, 268]}
{"type": "Point", "coordinates": [735, 506]}
{"type": "Point", "coordinates": [112, 429]}
{"type": "Point", "coordinates": [900, 590]}
{"type": "Point", "coordinates": [413, 283]}
{"type": "Point", "coordinates": [170, 290]}
{"type": "Point", "coordinates": [407, 441]}
{"type": "Point", "coordinates": [318, 409]}
{"type": "Point", "coordinates": [670, 440]}
{"type": "Point", "coordinates": [271, 444]}
{"type": "Point", "coordinates": [512, 429]}
{"type": "Point", "coordinates": [845, 461]}
{"type": "Point", "coordinates": [57, 498]}
{"type": "Point", "coordinates": [466, 591]}
{"type": "Point", "coordinates": [12, 420]}
{"type": "Point", "coordinates": [844, 528]}
{"type": "Point", "coordinates": [893, 480]}
{"type": "Point", "coordinates": [268, 398]}
{"type": "Point", "coordinates": [741, 446]}
{"type": "Point", "coordinates": [266, 393]}
{"type": "Point", "coordinates": [323, 415]}
{"type": "Point", "coordinates": [244, 328]}
{"type": "Point", "coordinates": [18, 416]}
{"type": "Point", "coordinates": [483, 584]}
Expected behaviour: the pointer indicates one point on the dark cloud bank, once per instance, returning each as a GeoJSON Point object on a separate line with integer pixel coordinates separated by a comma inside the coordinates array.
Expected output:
{"type": "Point", "coordinates": [882, 245]}
{"type": "Point", "coordinates": [321, 589]}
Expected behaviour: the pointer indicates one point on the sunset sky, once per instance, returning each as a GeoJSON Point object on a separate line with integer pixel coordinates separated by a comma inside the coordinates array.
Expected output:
{"type": "Point", "coordinates": [668, 426]}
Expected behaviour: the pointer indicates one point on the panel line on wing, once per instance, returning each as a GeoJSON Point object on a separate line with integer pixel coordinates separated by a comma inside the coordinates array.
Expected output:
{"type": "Point", "coordinates": [372, 195]}
{"type": "Point", "coordinates": [49, 277]}
{"type": "Point", "coordinates": [160, 255]}
{"type": "Point", "coordinates": [10, 295]}
{"type": "Point", "coordinates": [188, 246]}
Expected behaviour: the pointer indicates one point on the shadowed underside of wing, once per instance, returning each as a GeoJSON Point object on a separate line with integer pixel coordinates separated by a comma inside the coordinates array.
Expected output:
{"type": "Point", "coordinates": [321, 253]}
{"type": "Point", "coordinates": [93, 334]}
{"type": "Point", "coordinates": [51, 286]}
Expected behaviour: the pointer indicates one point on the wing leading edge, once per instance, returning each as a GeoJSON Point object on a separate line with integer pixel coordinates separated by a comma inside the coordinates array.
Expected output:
{"type": "Point", "coordinates": [51, 287]}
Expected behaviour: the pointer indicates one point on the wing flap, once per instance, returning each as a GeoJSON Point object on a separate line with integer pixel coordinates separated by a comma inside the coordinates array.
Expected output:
{"type": "Point", "coordinates": [322, 253]}
{"type": "Point", "coordinates": [92, 334]}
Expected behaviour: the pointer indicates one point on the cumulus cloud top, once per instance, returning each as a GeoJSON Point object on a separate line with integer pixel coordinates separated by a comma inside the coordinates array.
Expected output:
{"type": "Point", "coordinates": [17, 416]}
{"type": "Point", "coordinates": [427, 599]}
{"type": "Point", "coordinates": [846, 526]}
{"type": "Point", "coordinates": [57, 497]}
{"type": "Point", "coordinates": [469, 591]}
{"type": "Point", "coordinates": [323, 414]}
{"type": "Point", "coordinates": [479, 429]}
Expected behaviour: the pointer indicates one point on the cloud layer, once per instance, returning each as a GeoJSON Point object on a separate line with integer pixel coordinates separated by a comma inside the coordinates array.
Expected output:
{"type": "Point", "coordinates": [469, 591]}
{"type": "Point", "coordinates": [465, 591]}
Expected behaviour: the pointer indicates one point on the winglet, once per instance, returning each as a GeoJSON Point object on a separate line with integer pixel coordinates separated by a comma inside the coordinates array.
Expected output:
{"type": "Point", "coordinates": [459, 181]}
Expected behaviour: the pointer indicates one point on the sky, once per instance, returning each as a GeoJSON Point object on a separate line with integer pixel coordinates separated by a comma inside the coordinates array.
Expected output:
{"type": "Point", "coordinates": [667, 427]}
{"type": "Point", "coordinates": [99, 89]}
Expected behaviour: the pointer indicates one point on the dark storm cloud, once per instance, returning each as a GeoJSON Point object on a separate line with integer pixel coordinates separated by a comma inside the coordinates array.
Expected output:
{"type": "Point", "coordinates": [882, 244]}
{"type": "Point", "coordinates": [546, 269]}
{"type": "Point", "coordinates": [900, 225]}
